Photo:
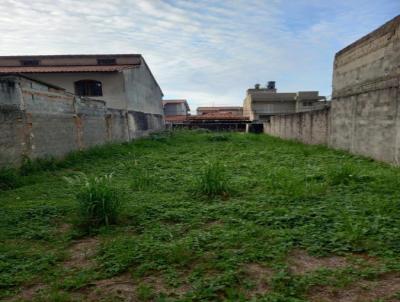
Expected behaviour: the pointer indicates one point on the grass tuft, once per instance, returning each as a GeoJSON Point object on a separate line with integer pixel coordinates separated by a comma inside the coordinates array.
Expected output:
{"type": "Point", "coordinates": [213, 181]}
{"type": "Point", "coordinates": [99, 204]}
{"type": "Point", "coordinates": [9, 179]}
{"type": "Point", "coordinates": [142, 180]}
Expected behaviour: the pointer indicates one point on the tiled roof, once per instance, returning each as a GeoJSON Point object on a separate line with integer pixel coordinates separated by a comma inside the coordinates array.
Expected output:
{"type": "Point", "coordinates": [216, 116]}
{"type": "Point", "coordinates": [175, 118]}
{"type": "Point", "coordinates": [50, 69]}
{"type": "Point", "coordinates": [220, 108]}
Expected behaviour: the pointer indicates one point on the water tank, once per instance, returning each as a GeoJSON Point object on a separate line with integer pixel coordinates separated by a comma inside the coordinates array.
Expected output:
{"type": "Point", "coordinates": [271, 85]}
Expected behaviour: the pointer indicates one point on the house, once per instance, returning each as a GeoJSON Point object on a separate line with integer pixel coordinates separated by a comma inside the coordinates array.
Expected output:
{"type": "Point", "coordinates": [123, 81]}
{"type": "Point", "coordinates": [176, 110]}
{"type": "Point", "coordinates": [226, 110]}
{"type": "Point", "coordinates": [53, 105]}
{"type": "Point", "coordinates": [261, 103]}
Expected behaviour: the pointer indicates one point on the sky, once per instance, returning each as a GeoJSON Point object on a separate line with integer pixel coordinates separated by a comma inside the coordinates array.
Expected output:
{"type": "Point", "coordinates": [206, 51]}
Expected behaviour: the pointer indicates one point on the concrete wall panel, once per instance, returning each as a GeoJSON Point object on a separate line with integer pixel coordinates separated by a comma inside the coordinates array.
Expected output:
{"type": "Point", "coordinates": [310, 127]}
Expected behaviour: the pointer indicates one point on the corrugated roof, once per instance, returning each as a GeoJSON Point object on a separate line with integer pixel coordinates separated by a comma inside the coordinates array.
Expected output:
{"type": "Point", "coordinates": [50, 69]}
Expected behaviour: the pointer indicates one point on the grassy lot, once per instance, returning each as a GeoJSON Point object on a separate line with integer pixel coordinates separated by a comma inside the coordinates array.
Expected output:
{"type": "Point", "coordinates": [294, 223]}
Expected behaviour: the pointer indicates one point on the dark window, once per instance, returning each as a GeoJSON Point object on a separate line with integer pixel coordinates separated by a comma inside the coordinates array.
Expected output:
{"type": "Point", "coordinates": [29, 62]}
{"type": "Point", "coordinates": [88, 88]}
{"type": "Point", "coordinates": [106, 61]}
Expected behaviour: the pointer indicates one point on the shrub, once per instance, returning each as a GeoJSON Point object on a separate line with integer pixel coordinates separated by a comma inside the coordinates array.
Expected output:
{"type": "Point", "coordinates": [213, 181]}
{"type": "Point", "coordinates": [8, 179]}
{"type": "Point", "coordinates": [98, 202]}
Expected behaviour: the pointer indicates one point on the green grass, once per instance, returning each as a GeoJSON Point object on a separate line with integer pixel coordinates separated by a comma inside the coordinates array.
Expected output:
{"type": "Point", "coordinates": [98, 202]}
{"type": "Point", "coordinates": [212, 181]}
{"type": "Point", "coordinates": [287, 196]}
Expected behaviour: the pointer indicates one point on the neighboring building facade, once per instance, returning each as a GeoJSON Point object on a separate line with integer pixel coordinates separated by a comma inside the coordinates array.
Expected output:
{"type": "Point", "coordinates": [123, 81]}
{"type": "Point", "coordinates": [53, 105]}
{"type": "Point", "coordinates": [176, 110]}
{"type": "Point", "coordinates": [262, 103]}
{"type": "Point", "coordinates": [224, 110]}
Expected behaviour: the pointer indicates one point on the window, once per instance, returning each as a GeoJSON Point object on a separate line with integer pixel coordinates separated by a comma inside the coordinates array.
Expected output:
{"type": "Point", "coordinates": [29, 62]}
{"type": "Point", "coordinates": [307, 103]}
{"type": "Point", "coordinates": [106, 61]}
{"type": "Point", "coordinates": [88, 88]}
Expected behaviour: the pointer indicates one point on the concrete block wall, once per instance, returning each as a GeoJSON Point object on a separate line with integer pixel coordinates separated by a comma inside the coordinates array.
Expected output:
{"type": "Point", "coordinates": [39, 121]}
{"type": "Point", "coordinates": [310, 127]}
{"type": "Point", "coordinates": [365, 110]}
{"type": "Point", "coordinates": [366, 96]}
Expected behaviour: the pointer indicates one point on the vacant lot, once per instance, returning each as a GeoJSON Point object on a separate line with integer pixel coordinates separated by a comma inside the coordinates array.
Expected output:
{"type": "Point", "coordinates": [298, 223]}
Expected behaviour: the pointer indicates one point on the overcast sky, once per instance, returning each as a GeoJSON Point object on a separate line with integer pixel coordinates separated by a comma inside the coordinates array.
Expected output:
{"type": "Point", "coordinates": [208, 52]}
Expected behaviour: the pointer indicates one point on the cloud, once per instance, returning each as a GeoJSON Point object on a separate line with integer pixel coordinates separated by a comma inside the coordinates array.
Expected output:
{"type": "Point", "coordinates": [207, 51]}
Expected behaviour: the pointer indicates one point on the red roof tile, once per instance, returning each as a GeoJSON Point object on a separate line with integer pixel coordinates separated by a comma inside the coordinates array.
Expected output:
{"type": "Point", "coordinates": [175, 118]}
{"type": "Point", "coordinates": [217, 116]}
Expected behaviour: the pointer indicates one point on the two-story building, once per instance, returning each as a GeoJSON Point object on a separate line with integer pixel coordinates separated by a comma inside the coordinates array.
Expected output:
{"type": "Point", "coordinates": [176, 110]}
{"type": "Point", "coordinates": [261, 103]}
{"type": "Point", "coordinates": [123, 81]}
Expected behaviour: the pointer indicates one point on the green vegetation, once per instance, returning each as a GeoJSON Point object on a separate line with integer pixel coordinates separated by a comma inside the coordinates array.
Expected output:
{"type": "Point", "coordinates": [292, 204]}
{"type": "Point", "coordinates": [98, 201]}
{"type": "Point", "coordinates": [212, 181]}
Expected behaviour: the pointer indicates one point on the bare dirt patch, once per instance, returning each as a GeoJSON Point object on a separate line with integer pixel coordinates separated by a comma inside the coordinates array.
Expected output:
{"type": "Point", "coordinates": [300, 262]}
{"type": "Point", "coordinates": [384, 288]}
{"type": "Point", "coordinates": [28, 293]}
{"type": "Point", "coordinates": [81, 253]}
{"type": "Point", "coordinates": [125, 288]}
{"type": "Point", "coordinates": [260, 276]}
{"type": "Point", "coordinates": [213, 223]}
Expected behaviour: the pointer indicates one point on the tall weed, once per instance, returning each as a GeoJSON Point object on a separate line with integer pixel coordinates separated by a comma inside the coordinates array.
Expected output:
{"type": "Point", "coordinates": [213, 181]}
{"type": "Point", "coordinates": [98, 202]}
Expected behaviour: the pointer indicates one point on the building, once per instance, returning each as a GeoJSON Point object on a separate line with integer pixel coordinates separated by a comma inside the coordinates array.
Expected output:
{"type": "Point", "coordinates": [261, 103]}
{"type": "Point", "coordinates": [123, 81]}
{"type": "Point", "coordinates": [176, 110]}
{"type": "Point", "coordinates": [53, 105]}
{"type": "Point", "coordinates": [225, 110]}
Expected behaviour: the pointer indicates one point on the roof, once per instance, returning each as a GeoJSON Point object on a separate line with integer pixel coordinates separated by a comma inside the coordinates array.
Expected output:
{"type": "Point", "coordinates": [61, 69]}
{"type": "Point", "coordinates": [220, 116]}
{"type": "Point", "coordinates": [175, 118]}
{"type": "Point", "coordinates": [221, 108]}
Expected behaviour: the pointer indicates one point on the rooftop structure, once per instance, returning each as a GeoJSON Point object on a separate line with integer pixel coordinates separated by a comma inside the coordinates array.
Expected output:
{"type": "Point", "coordinates": [262, 102]}
{"type": "Point", "coordinates": [176, 110]}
